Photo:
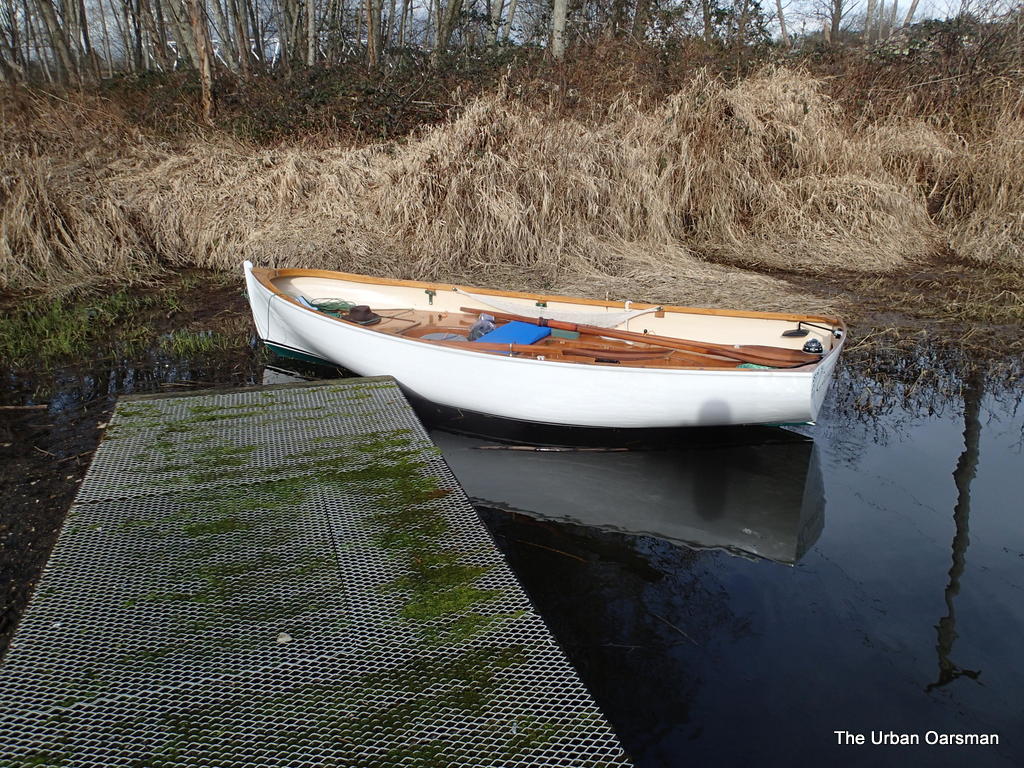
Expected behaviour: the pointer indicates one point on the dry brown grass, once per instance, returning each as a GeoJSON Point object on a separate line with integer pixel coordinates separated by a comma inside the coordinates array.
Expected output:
{"type": "Point", "coordinates": [984, 211]}
{"type": "Point", "coordinates": [768, 174]}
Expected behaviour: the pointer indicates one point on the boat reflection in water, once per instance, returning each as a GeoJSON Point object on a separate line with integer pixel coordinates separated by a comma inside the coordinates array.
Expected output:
{"type": "Point", "coordinates": [764, 499]}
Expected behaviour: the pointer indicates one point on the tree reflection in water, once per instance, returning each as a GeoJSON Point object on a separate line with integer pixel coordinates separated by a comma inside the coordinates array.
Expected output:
{"type": "Point", "coordinates": [963, 475]}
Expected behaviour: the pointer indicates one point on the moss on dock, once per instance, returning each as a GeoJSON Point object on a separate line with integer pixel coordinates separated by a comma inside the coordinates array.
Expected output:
{"type": "Point", "coordinates": [241, 558]}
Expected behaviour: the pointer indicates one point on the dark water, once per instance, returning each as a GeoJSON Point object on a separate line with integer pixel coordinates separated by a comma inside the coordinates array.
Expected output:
{"type": "Point", "coordinates": [728, 605]}
{"type": "Point", "coordinates": [903, 613]}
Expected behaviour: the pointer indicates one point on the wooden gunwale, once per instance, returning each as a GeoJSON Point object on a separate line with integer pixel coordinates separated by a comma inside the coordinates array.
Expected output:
{"type": "Point", "coordinates": [265, 276]}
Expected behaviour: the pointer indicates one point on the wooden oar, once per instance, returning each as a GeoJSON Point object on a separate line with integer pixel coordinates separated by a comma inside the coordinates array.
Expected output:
{"type": "Point", "coordinates": [556, 352]}
{"type": "Point", "coordinates": [605, 356]}
{"type": "Point", "coordinates": [591, 344]}
{"type": "Point", "coordinates": [747, 353]}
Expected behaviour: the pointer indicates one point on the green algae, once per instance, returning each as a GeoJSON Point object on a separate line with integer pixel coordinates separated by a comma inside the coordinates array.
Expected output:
{"type": "Point", "coordinates": [219, 582]}
{"type": "Point", "coordinates": [214, 527]}
{"type": "Point", "coordinates": [240, 408]}
{"type": "Point", "coordinates": [466, 627]}
{"type": "Point", "coordinates": [44, 760]}
{"type": "Point", "coordinates": [224, 455]}
{"type": "Point", "coordinates": [431, 603]}
{"type": "Point", "coordinates": [129, 411]}
{"type": "Point", "coordinates": [438, 584]}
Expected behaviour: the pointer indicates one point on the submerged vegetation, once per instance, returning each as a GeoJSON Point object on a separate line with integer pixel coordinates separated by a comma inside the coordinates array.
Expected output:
{"type": "Point", "coordinates": [51, 329]}
{"type": "Point", "coordinates": [175, 319]}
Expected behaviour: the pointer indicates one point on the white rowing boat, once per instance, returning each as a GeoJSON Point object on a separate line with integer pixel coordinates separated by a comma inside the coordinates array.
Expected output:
{"type": "Point", "coordinates": [553, 359]}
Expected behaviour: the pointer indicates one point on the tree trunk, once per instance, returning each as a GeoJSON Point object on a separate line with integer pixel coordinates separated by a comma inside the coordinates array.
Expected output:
{"type": "Point", "coordinates": [741, 24]}
{"type": "Point", "coordinates": [869, 21]}
{"type": "Point", "coordinates": [134, 25]}
{"type": "Point", "coordinates": [58, 40]}
{"type": "Point", "coordinates": [310, 32]}
{"type": "Point", "coordinates": [507, 31]}
{"type": "Point", "coordinates": [403, 22]}
{"type": "Point", "coordinates": [12, 64]}
{"type": "Point", "coordinates": [282, 33]}
{"type": "Point", "coordinates": [709, 32]}
{"type": "Point", "coordinates": [157, 11]}
{"type": "Point", "coordinates": [640, 18]}
{"type": "Point", "coordinates": [835, 21]}
{"type": "Point", "coordinates": [296, 32]}
{"type": "Point", "coordinates": [106, 39]}
{"type": "Point", "coordinates": [120, 24]}
{"type": "Point", "coordinates": [331, 27]}
{"type": "Point", "coordinates": [494, 21]}
{"type": "Point", "coordinates": [372, 33]}
{"type": "Point", "coordinates": [183, 35]}
{"type": "Point", "coordinates": [259, 31]}
{"type": "Point", "coordinates": [387, 30]}
{"type": "Point", "coordinates": [910, 13]}
{"type": "Point", "coordinates": [782, 23]}
{"type": "Point", "coordinates": [446, 17]}
{"type": "Point", "coordinates": [10, 69]}
{"type": "Point", "coordinates": [159, 50]}
{"type": "Point", "coordinates": [559, 11]}
{"type": "Point", "coordinates": [237, 11]}
{"type": "Point", "coordinates": [615, 24]}
{"type": "Point", "coordinates": [87, 49]}
{"type": "Point", "coordinates": [224, 33]}
{"type": "Point", "coordinates": [33, 40]}
{"type": "Point", "coordinates": [202, 49]}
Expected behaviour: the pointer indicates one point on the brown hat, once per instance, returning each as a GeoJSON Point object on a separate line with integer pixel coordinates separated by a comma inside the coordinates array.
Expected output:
{"type": "Point", "coordinates": [361, 314]}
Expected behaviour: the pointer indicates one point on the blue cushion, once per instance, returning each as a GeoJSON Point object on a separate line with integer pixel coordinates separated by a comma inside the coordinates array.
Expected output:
{"type": "Point", "coordinates": [516, 332]}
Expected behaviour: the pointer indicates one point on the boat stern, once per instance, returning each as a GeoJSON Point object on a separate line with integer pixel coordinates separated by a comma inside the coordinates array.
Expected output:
{"type": "Point", "coordinates": [822, 378]}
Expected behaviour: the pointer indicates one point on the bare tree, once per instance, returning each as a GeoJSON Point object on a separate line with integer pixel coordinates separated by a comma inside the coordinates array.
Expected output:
{"type": "Point", "coordinates": [870, 20]}
{"type": "Point", "coordinates": [507, 30]}
{"type": "Point", "coordinates": [910, 13]}
{"type": "Point", "coordinates": [782, 22]}
{"type": "Point", "coordinates": [202, 59]}
{"type": "Point", "coordinates": [373, 14]}
{"type": "Point", "coordinates": [709, 30]}
{"type": "Point", "coordinates": [494, 20]}
{"type": "Point", "coordinates": [834, 11]}
{"type": "Point", "coordinates": [558, 15]}
{"type": "Point", "coordinates": [310, 32]}
{"type": "Point", "coordinates": [445, 17]}
{"type": "Point", "coordinates": [58, 39]}
{"type": "Point", "coordinates": [11, 60]}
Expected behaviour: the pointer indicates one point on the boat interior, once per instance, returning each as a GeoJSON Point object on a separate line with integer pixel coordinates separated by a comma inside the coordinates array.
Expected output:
{"type": "Point", "coordinates": [583, 331]}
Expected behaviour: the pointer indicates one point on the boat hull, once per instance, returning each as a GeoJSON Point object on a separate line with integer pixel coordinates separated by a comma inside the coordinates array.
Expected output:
{"type": "Point", "coordinates": [546, 391]}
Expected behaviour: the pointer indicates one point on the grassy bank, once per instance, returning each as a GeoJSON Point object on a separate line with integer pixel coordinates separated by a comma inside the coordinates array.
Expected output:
{"type": "Point", "coordinates": [778, 189]}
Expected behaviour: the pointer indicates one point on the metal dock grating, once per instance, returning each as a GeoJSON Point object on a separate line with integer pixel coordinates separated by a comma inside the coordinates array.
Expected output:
{"type": "Point", "coordinates": [284, 577]}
